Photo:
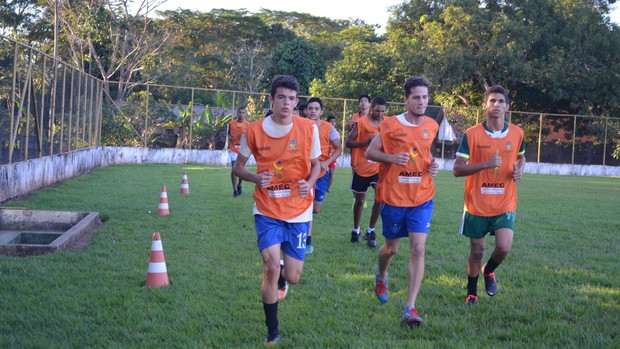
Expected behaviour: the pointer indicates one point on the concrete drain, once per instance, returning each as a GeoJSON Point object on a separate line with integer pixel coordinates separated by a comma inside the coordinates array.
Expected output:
{"type": "Point", "coordinates": [26, 232]}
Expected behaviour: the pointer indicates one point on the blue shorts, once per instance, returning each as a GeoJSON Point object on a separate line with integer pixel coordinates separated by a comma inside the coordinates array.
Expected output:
{"type": "Point", "coordinates": [320, 188]}
{"type": "Point", "coordinates": [232, 156]}
{"type": "Point", "coordinates": [398, 222]}
{"type": "Point", "coordinates": [291, 236]}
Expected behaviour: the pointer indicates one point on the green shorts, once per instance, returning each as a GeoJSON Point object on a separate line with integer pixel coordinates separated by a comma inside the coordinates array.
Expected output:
{"type": "Point", "coordinates": [477, 227]}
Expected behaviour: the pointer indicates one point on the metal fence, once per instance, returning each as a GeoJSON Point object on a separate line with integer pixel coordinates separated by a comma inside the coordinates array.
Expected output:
{"type": "Point", "coordinates": [49, 107]}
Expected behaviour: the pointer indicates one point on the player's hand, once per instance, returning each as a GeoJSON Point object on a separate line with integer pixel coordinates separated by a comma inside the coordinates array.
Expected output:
{"type": "Point", "coordinates": [401, 158]}
{"type": "Point", "coordinates": [264, 179]}
{"type": "Point", "coordinates": [324, 165]}
{"type": "Point", "coordinates": [517, 175]}
{"type": "Point", "coordinates": [304, 188]}
{"type": "Point", "coordinates": [433, 169]}
{"type": "Point", "coordinates": [495, 160]}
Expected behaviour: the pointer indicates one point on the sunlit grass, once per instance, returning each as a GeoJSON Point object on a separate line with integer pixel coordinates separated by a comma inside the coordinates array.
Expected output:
{"type": "Point", "coordinates": [558, 288]}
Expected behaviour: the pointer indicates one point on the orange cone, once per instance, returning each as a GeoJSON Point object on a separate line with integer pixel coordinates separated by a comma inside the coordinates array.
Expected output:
{"type": "Point", "coordinates": [162, 208]}
{"type": "Point", "coordinates": [184, 184]}
{"type": "Point", "coordinates": [158, 274]}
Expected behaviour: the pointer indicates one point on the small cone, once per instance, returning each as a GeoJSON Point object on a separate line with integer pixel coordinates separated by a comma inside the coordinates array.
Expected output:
{"type": "Point", "coordinates": [184, 184]}
{"type": "Point", "coordinates": [158, 274]}
{"type": "Point", "coordinates": [162, 208]}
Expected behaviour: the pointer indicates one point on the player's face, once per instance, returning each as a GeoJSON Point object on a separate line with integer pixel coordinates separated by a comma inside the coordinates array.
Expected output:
{"type": "Point", "coordinates": [496, 106]}
{"type": "Point", "coordinates": [377, 111]}
{"type": "Point", "coordinates": [364, 103]}
{"type": "Point", "coordinates": [314, 111]}
{"type": "Point", "coordinates": [283, 102]}
{"type": "Point", "coordinates": [417, 101]}
{"type": "Point", "coordinates": [241, 114]}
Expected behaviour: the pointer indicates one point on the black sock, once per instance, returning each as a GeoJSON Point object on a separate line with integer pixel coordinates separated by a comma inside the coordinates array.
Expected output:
{"type": "Point", "coordinates": [309, 240]}
{"type": "Point", "coordinates": [472, 285]}
{"type": "Point", "coordinates": [271, 319]}
{"type": "Point", "coordinates": [490, 266]}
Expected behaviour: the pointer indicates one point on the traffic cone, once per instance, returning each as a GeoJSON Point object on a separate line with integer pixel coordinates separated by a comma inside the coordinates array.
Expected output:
{"type": "Point", "coordinates": [162, 208]}
{"type": "Point", "coordinates": [184, 184]}
{"type": "Point", "coordinates": [158, 274]}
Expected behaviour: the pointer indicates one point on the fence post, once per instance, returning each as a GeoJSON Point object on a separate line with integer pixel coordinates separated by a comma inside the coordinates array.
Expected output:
{"type": "Point", "coordinates": [62, 109]}
{"type": "Point", "coordinates": [191, 120]}
{"type": "Point", "coordinates": [540, 125]}
{"type": "Point", "coordinates": [146, 116]}
{"type": "Point", "coordinates": [605, 142]}
{"type": "Point", "coordinates": [572, 158]}
{"type": "Point", "coordinates": [12, 107]}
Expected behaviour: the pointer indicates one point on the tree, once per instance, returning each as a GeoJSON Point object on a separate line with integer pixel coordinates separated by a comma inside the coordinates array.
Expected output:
{"type": "Point", "coordinates": [104, 35]}
{"type": "Point", "coordinates": [299, 58]}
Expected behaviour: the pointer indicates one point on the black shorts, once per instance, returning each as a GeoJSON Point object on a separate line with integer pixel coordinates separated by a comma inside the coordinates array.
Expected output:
{"type": "Point", "coordinates": [360, 184]}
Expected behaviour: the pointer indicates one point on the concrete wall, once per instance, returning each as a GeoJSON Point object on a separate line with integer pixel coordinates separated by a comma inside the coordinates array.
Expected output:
{"type": "Point", "coordinates": [27, 176]}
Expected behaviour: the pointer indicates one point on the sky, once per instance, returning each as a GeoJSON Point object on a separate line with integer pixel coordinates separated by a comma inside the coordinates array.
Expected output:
{"type": "Point", "coordinates": [372, 12]}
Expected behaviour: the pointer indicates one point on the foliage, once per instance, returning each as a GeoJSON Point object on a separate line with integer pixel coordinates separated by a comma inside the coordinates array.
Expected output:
{"type": "Point", "coordinates": [299, 58]}
{"type": "Point", "coordinates": [365, 69]}
{"type": "Point", "coordinates": [214, 300]}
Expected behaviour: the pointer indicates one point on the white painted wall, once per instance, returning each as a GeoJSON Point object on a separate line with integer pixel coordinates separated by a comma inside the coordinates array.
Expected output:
{"type": "Point", "coordinates": [27, 176]}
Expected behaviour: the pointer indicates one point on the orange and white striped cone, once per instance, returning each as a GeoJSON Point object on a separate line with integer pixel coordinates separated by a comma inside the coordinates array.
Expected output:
{"type": "Point", "coordinates": [162, 208]}
{"type": "Point", "coordinates": [184, 184]}
{"type": "Point", "coordinates": [158, 274]}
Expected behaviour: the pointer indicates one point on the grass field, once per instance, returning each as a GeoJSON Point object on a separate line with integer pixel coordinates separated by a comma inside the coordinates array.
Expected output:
{"type": "Point", "coordinates": [559, 288]}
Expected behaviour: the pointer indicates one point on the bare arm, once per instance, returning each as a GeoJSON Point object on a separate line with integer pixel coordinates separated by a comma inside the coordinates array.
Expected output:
{"type": "Point", "coordinates": [462, 167]}
{"type": "Point", "coordinates": [352, 143]}
{"type": "Point", "coordinates": [262, 179]}
{"type": "Point", "coordinates": [334, 155]}
{"type": "Point", "coordinates": [306, 185]}
{"type": "Point", "coordinates": [375, 153]}
{"type": "Point", "coordinates": [517, 175]}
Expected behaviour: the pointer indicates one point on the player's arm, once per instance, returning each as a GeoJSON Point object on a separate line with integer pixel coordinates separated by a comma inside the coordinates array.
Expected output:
{"type": "Point", "coordinates": [351, 140]}
{"type": "Point", "coordinates": [334, 155]}
{"type": "Point", "coordinates": [305, 185]}
{"type": "Point", "coordinates": [375, 153]}
{"type": "Point", "coordinates": [462, 166]}
{"type": "Point", "coordinates": [517, 175]}
{"type": "Point", "coordinates": [239, 169]}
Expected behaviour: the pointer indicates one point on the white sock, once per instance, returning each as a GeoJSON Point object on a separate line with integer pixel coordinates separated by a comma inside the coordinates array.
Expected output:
{"type": "Point", "coordinates": [357, 230]}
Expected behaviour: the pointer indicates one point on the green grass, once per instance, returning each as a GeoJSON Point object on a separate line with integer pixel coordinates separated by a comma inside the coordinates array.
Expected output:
{"type": "Point", "coordinates": [559, 288]}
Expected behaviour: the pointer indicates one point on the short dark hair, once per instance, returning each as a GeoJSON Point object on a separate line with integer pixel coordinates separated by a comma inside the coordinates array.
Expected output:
{"type": "Point", "coordinates": [331, 117]}
{"type": "Point", "coordinates": [301, 107]}
{"type": "Point", "coordinates": [313, 100]}
{"type": "Point", "coordinates": [379, 100]}
{"type": "Point", "coordinates": [496, 89]}
{"type": "Point", "coordinates": [364, 96]}
{"type": "Point", "coordinates": [415, 81]}
{"type": "Point", "coordinates": [285, 81]}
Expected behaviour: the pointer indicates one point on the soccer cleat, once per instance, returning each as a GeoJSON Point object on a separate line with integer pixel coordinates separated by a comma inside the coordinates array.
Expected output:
{"type": "Point", "coordinates": [282, 283]}
{"type": "Point", "coordinates": [371, 238]}
{"type": "Point", "coordinates": [355, 236]}
{"type": "Point", "coordinates": [309, 249]}
{"type": "Point", "coordinates": [471, 299]}
{"type": "Point", "coordinates": [273, 342]}
{"type": "Point", "coordinates": [490, 284]}
{"type": "Point", "coordinates": [381, 289]}
{"type": "Point", "coordinates": [239, 189]}
{"type": "Point", "coordinates": [411, 317]}
{"type": "Point", "coordinates": [235, 193]}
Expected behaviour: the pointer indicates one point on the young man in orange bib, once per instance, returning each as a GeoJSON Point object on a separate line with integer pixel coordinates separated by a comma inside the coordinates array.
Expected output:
{"type": "Point", "coordinates": [236, 129]}
{"type": "Point", "coordinates": [329, 138]}
{"type": "Point", "coordinates": [287, 149]}
{"type": "Point", "coordinates": [365, 172]}
{"type": "Point", "coordinates": [403, 146]}
{"type": "Point", "coordinates": [491, 155]}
